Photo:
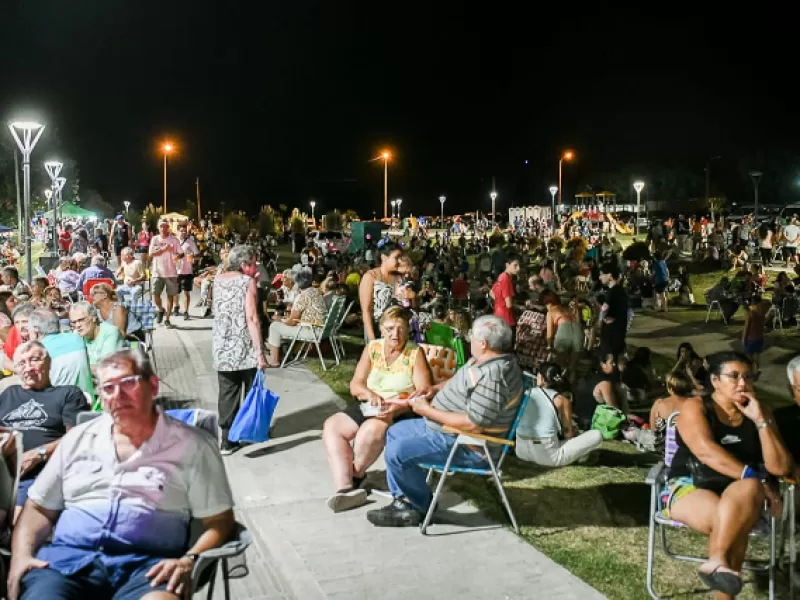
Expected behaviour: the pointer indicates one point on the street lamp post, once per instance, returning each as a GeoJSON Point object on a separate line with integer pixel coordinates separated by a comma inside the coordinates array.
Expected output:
{"type": "Point", "coordinates": [553, 190]}
{"type": "Point", "coordinates": [441, 201]}
{"type": "Point", "coordinates": [127, 204]}
{"type": "Point", "coordinates": [393, 203]}
{"type": "Point", "coordinates": [493, 196]}
{"type": "Point", "coordinates": [48, 194]}
{"type": "Point", "coordinates": [167, 149]}
{"type": "Point", "coordinates": [53, 168]}
{"type": "Point", "coordinates": [313, 204]}
{"type": "Point", "coordinates": [638, 186]}
{"type": "Point", "coordinates": [566, 156]}
{"type": "Point", "coordinates": [385, 155]}
{"type": "Point", "coordinates": [399, 202]}
{"type": "Point", "coordinates": [60, 183]}
{"type": "Point", "coordinates": [30, 133]}
{"type": "Point", "coordinates": [756, 177]}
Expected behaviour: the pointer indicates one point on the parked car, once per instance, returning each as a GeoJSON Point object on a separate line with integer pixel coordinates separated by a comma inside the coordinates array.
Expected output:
{"type": "Point", "coordinates": [330, 241]}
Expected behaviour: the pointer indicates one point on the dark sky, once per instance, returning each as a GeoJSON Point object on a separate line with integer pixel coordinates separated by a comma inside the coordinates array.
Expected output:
{"type": "Point", "coordinates": [277, 102]}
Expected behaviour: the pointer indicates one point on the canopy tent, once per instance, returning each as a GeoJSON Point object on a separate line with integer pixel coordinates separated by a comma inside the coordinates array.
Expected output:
{"type": "Point", "coordinates": [5, 229]}
{"type": "Point", "coordinates": [69, 210]}
{"type": "Point", "coordinates": [173, 216]}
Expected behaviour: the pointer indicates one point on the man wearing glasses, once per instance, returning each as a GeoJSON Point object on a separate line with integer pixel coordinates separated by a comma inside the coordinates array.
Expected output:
{"type": "Point", "coordinates": [41, 412]}
{"type": "Point", "coordinates": [122, 490]}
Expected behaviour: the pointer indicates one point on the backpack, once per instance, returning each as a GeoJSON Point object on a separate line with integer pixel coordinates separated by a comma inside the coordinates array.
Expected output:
{"type": "Point", "coordinates": [608, 421]}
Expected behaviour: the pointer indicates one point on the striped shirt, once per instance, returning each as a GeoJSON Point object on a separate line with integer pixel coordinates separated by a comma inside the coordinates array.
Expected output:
{"type": "Point", "coordinates": [489, 394]}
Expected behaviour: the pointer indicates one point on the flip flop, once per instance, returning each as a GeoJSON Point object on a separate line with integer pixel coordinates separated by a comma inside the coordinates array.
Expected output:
{"type": "Point", "coordinates": [727, 581]}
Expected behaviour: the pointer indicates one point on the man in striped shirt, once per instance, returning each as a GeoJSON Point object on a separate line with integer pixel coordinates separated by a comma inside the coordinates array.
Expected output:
{"type": "Point", "coordinates": [483, 396]}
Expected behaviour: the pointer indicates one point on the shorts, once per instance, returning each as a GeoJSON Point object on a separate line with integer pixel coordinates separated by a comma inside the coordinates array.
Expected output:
{"type": "Point", "coordinates": [675, 489]}
{"type": "Point", "coordinates": [354, 412]}
{"type": "Point", "coordinates": [660, 288]}
{"type": "Point", "coordinates": [789, 252]}
{"type": "Point", "coordinates": [185, 282]}
{"type": "Point", "coordinates": [753, 346]}
{"type": "Point", "coordinates": [170, 283]}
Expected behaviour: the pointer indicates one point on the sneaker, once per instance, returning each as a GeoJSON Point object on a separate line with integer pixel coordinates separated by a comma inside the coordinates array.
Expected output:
{"type": "Point", "coordinates": [168, 324]}
{"type": "Point", "coordinates": [226, 448]}
{"type": "Point", "coordinates": [207, 313]}
{"type": "Point", "coordinates": [159, 316]}
{"type": "Point", "coordinates": [397, 514]}
{"type": "Point", "coordinates": [347, 499]}
{"type": "Point", "coordinates": [176, 311]}
{"type": "Point", "coordinates": [186, 316]}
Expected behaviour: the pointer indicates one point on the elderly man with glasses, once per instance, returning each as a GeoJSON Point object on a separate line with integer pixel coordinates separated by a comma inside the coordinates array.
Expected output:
{"type": "Point", "coordinates": [121, 491]}
{"type": "Point", "coordinates": [482, 397]}
{"type": "Point", "coordinates": [40, 412]}
{"type": "Point", "coordinates": [101, 338]}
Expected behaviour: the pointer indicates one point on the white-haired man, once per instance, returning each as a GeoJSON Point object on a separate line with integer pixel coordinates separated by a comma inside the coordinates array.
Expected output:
{"type": "Point", "coordinates": [483, 396]}
{"type": "Point", "coordinates": [98, 270]}
{"type": "Point", "coordinates": [121, 491]}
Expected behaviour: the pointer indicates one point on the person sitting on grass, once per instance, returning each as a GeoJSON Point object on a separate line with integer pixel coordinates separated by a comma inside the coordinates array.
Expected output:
{"type": "Point", "coordinates": [545, 434]}
{"type": "Point", "coordinates": [727, 443]}
{"type": "Point", "coordinates": [389, 367]}
{"type": "Point", "coordinates": [483, 396]}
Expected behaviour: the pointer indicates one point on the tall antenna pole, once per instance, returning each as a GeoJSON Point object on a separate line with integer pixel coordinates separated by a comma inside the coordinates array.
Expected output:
{"type": "Point", "coordinates": [199, 212]}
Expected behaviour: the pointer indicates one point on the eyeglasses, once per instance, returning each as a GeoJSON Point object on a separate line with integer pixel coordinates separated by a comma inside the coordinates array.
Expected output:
{"type": "Point", "coordinates": [36, 360]}
{"type": "Point", "coordinates": [126, 385]}
{"type": "Point", "coordinates": [735, 376]}
{"type": "Point", "coordinates": [78, 322]}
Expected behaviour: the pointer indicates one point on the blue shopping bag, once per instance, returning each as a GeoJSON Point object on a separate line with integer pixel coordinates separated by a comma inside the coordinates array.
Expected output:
{"type": "Point", "coordinates": [255, 415]}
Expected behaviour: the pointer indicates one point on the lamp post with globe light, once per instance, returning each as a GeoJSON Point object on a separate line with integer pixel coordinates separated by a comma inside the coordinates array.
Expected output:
{"type": "Point", "coordinates": [441, 201]}
{"type": "Point", "coordinates": [60, 183]}
{"type": "Point", "coordinates": [493, 196]}
{"type": "Point", "coordinates": [26, 134]}
{"type": "Point", "coordinates": [393, 203]}
{"type": "Point", "coordinates": [638, 186]}
{"type": "Point", "coordinates": [168, 147]}
{"type": "Point", "coordinates": [312, 204]}
{"type": "Point", "coordinates": [399, 202]}
{"type": "Point", "coordinates": [568, 155]}
{"type": "Point", "coordinates": [53, 168]}
{"type": "Point", "coordinates": [553, 190]}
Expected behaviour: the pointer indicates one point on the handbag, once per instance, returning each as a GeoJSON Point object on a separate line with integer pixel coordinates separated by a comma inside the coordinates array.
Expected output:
{"type": "Point", "coordinates": [706, 478]}
{"type": "Point", "coordinates": [608, 421]}
{"type": "Point", "coordinates": [254, 418]}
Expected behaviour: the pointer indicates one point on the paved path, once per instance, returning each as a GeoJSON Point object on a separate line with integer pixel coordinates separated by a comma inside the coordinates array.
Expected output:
{"type": "Point", "coordinates": [664, 337]}
{"type": "Point", "coordinates": [304, 551]}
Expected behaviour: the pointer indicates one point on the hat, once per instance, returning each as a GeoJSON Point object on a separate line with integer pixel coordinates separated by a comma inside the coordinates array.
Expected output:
{"type": "Point", "coordinates": [120, 218]}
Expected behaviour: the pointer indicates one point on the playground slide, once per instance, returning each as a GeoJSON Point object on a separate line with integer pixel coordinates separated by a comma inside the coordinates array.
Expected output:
{"type": "Point", "coordinates": [620, 227]}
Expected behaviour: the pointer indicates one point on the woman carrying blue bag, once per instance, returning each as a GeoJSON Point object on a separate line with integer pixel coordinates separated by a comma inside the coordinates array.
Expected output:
{"type": "Point", "coordinates": [236, 345]}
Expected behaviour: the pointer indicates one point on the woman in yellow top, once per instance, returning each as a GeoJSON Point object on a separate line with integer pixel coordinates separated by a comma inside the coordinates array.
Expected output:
{"type": "Point", "coordinates": [390, 369]}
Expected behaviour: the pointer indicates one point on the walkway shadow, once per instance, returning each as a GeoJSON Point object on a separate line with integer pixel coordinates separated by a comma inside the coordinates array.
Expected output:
{"type": "Point", "coordinates": [282, 446]}
{"type": "Point", "coordinates": [308, 419]}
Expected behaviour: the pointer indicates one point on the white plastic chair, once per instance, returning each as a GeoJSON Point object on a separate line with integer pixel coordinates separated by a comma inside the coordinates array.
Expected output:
{"type": "Point", "coordinates": [711, 306]}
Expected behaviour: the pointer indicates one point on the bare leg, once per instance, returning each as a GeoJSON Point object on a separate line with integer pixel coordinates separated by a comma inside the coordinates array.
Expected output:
{"type": "Point", "coordinates": [188, 297]}
{"type": "Point", "coordinates": [337, 433]}
{"type": "Point", "coordinates": [738, 510]}
{"type": "Point", "coordinates": [370, 440]}
{"type": "Point", "coordinates": [274, 354]}
{"type": "Point", "coordinates": [170, 303]}
{"type": "Point", "coordinates": [157, 300]}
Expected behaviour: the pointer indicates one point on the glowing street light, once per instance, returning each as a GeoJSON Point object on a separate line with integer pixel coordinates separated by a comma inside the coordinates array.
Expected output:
{"type": "Point", "coordinates": [399, 202]}
{"type": "Point", "coordinates": [127, 204]}
{"type": "Point", "coordinates": [638, 186]}
{"type": "Point", "coordinates": [26, 134]}
{"type": "Point", "coordinates": [48, 193]}
{"type": "Point", "coordinates": [168, 147]}
{"type": "Point", "coordinates": [441, 200]}
{"type": "Point", "coordinates": [313, 204]}
{"type": "Point", "coordinates": [53, 168]}
{"type": "Point", "coordinates": [568, 155]}
{"type": "Point", "coordinates": [393, 203]}
{"type": "Point", "coordinates": [553, 190]}
{"type": "Point", "coordinates": [493, 196]}
{"type": "Point", "coordinates": [384, 156]}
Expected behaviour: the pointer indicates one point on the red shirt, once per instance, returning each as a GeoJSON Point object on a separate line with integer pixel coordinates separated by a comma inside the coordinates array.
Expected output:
{"type": "Point", "coordinates": [460, 289]}
{"type": "Point", "coordinates": [13, 342]}
{"type": "Point", "coordinates": [504, 288]}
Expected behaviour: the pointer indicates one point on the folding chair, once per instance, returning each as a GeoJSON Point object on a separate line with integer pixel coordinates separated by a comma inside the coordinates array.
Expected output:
{"type": "Point", "coordinates": [145, 312]}
{"type": "Point", "coordinates": [482, 441]}
{"type": "Point", "coordinates": [86, 292]}
{"type": "Point", "coordinates": [711, 305]}
{"type": "Point", "coordinates": [657, 478]}
{"type": "Point", "coordinates": [313, 333]}
{"type": "Point", "coordinates": [335, 332]}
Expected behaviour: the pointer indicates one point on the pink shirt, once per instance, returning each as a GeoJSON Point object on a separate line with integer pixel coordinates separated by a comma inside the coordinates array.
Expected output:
{"type": "Point", "coordinates": [163, 265]}
{"type": "Point", "coordinates": [188, 247]}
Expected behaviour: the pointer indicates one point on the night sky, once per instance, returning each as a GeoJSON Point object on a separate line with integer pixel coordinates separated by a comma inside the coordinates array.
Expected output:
{"type": "Point", "coordinates": [279, 102]}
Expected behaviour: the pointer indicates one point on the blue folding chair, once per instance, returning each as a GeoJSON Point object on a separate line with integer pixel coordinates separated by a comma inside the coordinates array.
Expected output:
{"type": "Point", "coordinates": [482, 441]}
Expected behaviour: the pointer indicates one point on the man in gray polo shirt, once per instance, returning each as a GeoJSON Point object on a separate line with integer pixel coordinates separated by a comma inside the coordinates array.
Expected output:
{"type": "Point", "coordinates": [482, 397]}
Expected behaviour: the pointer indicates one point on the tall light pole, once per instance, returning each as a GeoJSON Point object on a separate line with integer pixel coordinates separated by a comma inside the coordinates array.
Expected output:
{"type": "Point", "coordinates": [385, 156]}
{"type": "Point", "coordinates": [568, 155]}
{"type": "Point", "coordinates": [60, 183]}
{"type": "Point", "coordinates": [756, 177]}
{"type": "Point", "coordinates": [553, 190]}
{"type": "Point", "coordinates": [53, 168]}
{"type": "Point", "coordinates": [399, 202]}
{"type": "Point", "coordinates": [26, 134]}
{"type": "Point", "coordinates": [393, 203]}
{"type": "Point", "coordinates": [313, 204]}
{"type": "Point", "coordinates": [441, 201]}
{"type": "Point", "coordinates": [493, 196]}
{"type": "Point", "coordinates": [638, 186]}
{"type": "Point", "coordinates": [127, 204]}
{"type": "Point", "coordinates": [168, 147]}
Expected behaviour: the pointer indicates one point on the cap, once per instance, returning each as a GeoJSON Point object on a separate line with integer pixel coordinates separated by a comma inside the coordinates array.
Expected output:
{"type": "Point", "coordinates": [120, 218]}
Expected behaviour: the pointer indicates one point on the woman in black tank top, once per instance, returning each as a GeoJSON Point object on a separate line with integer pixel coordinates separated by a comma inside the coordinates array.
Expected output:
{"type": "Point", "coordinates": [727, 443]}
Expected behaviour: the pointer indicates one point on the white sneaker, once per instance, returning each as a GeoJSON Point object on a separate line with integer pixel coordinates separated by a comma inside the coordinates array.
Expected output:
{"type": "Point", "coordinates": [347, 500]}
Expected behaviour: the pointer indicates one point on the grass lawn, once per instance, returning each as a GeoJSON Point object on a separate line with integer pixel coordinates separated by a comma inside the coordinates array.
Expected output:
{"type": "Point", "coordinates": [590, 519]}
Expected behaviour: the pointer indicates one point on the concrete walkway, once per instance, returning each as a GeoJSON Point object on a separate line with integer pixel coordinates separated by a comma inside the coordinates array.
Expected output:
{"type": "Point", "coordinates": [664, 337]}
{"type": "Point", "coordinates": [304, 551]}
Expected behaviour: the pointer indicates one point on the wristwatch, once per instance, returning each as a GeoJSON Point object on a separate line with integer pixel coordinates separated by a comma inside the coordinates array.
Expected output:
{"type": "Point", "coordinates": [42, 451]}
{"type": "Point", "coordinates": [763, 424]}
{"type": "Point", "coordinates": [190, 556]}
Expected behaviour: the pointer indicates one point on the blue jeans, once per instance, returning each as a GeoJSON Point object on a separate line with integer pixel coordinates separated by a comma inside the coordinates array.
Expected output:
{"type": "Point", "coordinates": [411, 442]}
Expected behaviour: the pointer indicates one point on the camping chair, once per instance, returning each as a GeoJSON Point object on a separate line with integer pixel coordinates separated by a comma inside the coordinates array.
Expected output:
{"type": "Point", "coordinates": [657, 478]}
{"type": "Point", "coordinates": [482, 441]}
{"type": "Point", "coordinates": [312, 333]}
{"type": "Point", "coordinates": [145, 312]}
{"type": "Point", "coordinates": [441, 360]}
{"type": "Point", "coordinates": [12, 463]}
{"type": "Point", "coordinates": [715, 304]}
{"type": "Point", "coordinates": [86, 292]}
{"type": "Point", "coordinates": [335, 340]}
